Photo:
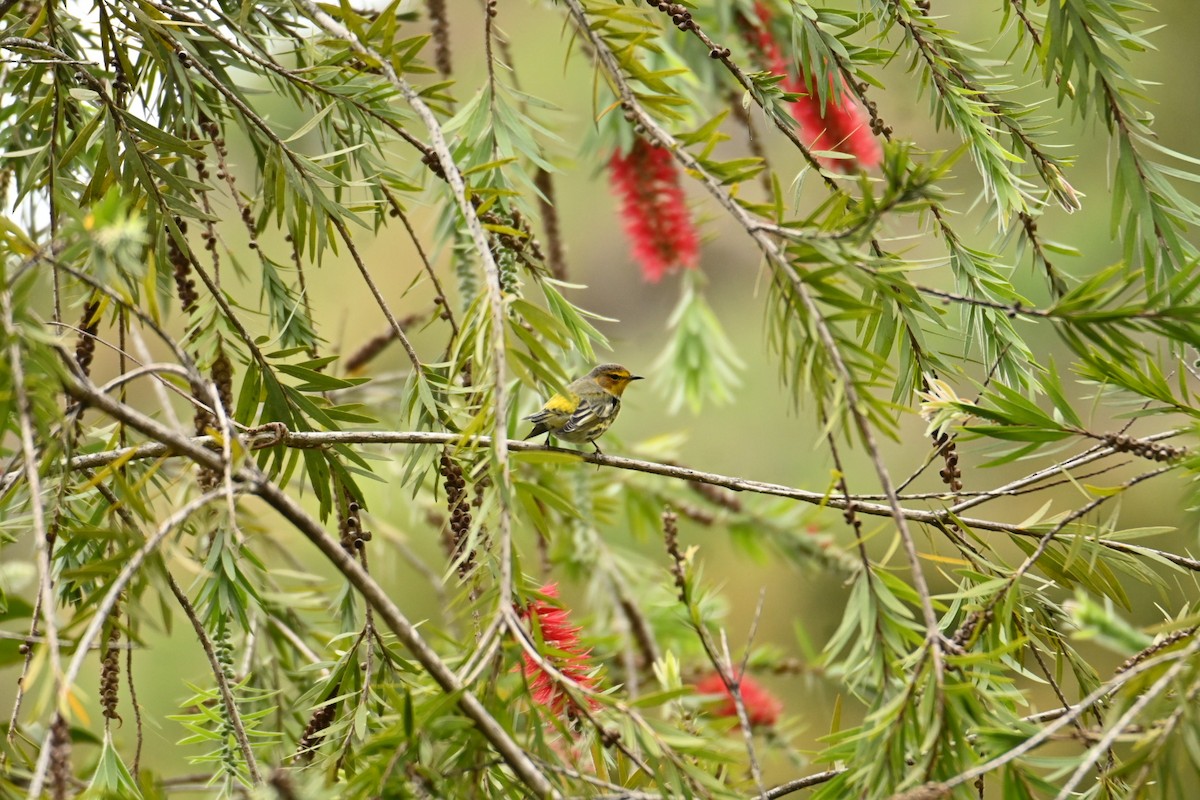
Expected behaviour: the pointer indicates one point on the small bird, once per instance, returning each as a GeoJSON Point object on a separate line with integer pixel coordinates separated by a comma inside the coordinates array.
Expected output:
{"type": "Point", "coordinates": [586, 408]}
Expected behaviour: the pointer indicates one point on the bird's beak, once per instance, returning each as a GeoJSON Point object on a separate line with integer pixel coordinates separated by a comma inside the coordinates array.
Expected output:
{"type": "Point", "coordinates": [636, 378]}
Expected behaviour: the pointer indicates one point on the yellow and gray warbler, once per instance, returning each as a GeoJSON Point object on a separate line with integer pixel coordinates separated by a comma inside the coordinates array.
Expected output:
{"type": "Point", "coordinates": [586, 408]}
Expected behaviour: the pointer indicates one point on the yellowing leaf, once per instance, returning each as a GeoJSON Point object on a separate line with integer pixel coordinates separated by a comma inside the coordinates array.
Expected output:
{"type": "Point", "coordinates": [1036, 517]}
{"type": "Point", "coordinates": [958, 562]}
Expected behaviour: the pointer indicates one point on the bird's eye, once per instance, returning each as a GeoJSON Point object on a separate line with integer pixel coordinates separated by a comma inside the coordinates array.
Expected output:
{"type": "Point", "coordinates": [614, 376]}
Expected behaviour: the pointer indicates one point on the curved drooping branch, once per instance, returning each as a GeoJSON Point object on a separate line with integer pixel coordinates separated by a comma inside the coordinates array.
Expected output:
{"type": "Point", "coordinates": [491, 271]}
{"type": "Point", "coordinates": [252, 481]}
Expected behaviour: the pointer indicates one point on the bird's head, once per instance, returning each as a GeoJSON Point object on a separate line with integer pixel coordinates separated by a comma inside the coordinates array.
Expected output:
{"type": "Point", "coordinates": [613, 378]}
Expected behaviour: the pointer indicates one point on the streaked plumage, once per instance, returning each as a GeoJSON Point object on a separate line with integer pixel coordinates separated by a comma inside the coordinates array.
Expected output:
{"type": "Point", "coordinates": [586, 409]}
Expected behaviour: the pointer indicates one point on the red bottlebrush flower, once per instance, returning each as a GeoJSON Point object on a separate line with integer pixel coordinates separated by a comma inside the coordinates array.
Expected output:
{"type": "Point", "coordinates": [654, 210]}
{"type": "Point", "coordinates": [564, 653]}
{"type": "Point", "coordinates": [841, 124]}
{"type": "Point", "coordinates": [762, 707]}
{"type": "Point", "coordinates": [763, 42]}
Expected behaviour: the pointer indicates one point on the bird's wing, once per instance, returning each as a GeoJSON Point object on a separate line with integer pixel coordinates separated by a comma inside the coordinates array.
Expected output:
{"type": "Point", "coordinates": [590, 412]}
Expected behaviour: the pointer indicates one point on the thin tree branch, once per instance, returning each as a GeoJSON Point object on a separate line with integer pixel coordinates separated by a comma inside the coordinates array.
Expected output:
{"type": "Point", "coordinates": [46, 601]}
{"type": "Point", "coordinates": [409, 636]}
{"type": "Point", "coordinates": [1093, 454]}
{"type": "Point", "coordinates": [406, 632]}
{"type": "Point", "coordinates": [100, 616]}
{"type": "Point", "coordinates": [816, 779]}
{"type": "Point", "coordinates": [271, 435]}
{"type": "Point", "coordinates": [1048, 537]}
{"type": "Point", "coordinates": [739, 701]}
{"type": "Point", "coordinates": [1145, 698]}
{"type": "Point", "coordinates": [780, 263]}
{"type": "Point", "coordinates": [218, 673]}
{"type": "Point", "coordinates": [1067, 716]}
{"type": "Point", "coordinates": [491, 272]}
{"type": "Point", "coordinates": [397, 328]}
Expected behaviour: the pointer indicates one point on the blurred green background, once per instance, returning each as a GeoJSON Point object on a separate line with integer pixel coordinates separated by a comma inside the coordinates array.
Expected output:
{"type": "Point", "coordinates": [761, 435]}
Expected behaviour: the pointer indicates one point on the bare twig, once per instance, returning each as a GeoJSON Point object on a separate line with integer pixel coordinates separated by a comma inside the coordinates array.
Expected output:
{"type": "Point", "coordinates": [816, 779]}
{"type": "Point", "coordinates": [720, 658]}
{"type": "Point", "coordinates": [1054, 470]}
{"type": "Point", "coordinates": [377, 293]}
{"type": "Point", "coordinates": [739, 703]}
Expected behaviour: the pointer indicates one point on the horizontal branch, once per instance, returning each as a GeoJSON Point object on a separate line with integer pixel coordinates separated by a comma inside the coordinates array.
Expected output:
{"type": "Point", "coordinates": [277, 434]}
{"type": "Point", "coordinates": [806, 782]}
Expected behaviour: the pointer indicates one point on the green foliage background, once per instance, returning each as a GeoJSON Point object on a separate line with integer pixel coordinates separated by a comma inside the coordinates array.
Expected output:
{"type": "Point", "coordinates": [99, 178]}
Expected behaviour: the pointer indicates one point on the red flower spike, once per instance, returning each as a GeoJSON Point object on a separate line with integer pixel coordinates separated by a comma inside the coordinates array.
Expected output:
{"type": "Point", "coordinates": [841, 124]}
{"type": "Point", "coordinates": [654, 210]}
{"type": "Point", "coordinates": [762, 707]}
{"type": "Point", "coordinates": [565, 654]}
{"type": "Point", "coordinates": [763, 41]}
